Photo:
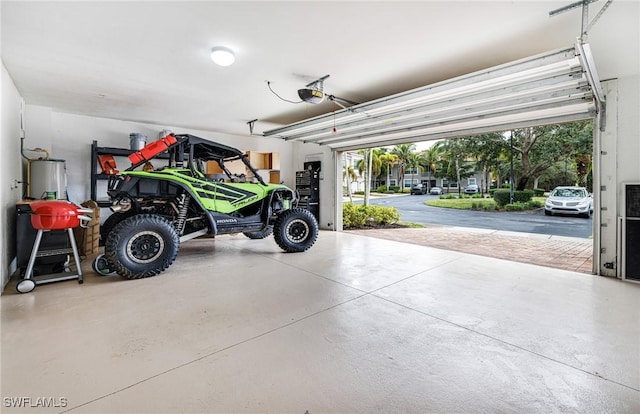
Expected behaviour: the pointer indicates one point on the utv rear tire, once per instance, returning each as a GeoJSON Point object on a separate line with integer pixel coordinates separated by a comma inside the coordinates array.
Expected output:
{"type": "Point", "coordinates": [295, 230]}
{"type": "Point", "coordinates": [142, 246]}
{"type": "Point", "coordinates": [259, 234]}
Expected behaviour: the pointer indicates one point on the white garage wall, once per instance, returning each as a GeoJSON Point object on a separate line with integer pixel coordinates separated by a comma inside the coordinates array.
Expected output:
{"type": "Point", "coordinates": [620, 152]}
{"type": "Point", "coordinates": [69, 137]}
{"type": "Point", "coordinates": [628, 131]}
{"type": "Point", "coordinates": [10, 172]}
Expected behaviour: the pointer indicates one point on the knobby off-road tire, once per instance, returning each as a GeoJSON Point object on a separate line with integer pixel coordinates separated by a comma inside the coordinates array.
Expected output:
{"type": "Point", "coordinates": [295, 230]}
{"type": "Point", "coordinates": [112, 221]}
{"type": "Point", "coordinates": [259, 234]}
{"type": "Point", "coordinates": [142, 246]}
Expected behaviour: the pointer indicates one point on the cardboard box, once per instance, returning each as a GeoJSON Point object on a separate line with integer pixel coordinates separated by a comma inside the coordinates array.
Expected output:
{"type": "Point", "coordinates": [88, 239]}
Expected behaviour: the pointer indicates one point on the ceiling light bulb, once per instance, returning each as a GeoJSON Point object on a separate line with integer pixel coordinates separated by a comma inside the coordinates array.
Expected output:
{"type": "Point", "coordinates": [222, 56]}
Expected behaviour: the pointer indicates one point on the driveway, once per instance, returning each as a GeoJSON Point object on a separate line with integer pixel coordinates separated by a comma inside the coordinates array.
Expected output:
{"type": "Point", "coordinates": [525, 237]}
{"type": "Point", "coordinates": [567, 253]}
{"type": "Point", "coordinates": [412, 209]}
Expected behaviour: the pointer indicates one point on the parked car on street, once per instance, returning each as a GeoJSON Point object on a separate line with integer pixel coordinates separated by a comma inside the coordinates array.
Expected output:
{"type": "Point", "coordinates": [569, 200]}
{"type": "Point", "coordinates": [472, 189]}
{"type": "Point", "coordinates": [419, 189]}
{"type": "Point", "coordinates": [435, 190]}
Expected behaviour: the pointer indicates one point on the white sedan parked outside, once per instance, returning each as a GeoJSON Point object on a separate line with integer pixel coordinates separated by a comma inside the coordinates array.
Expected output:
{"type": "Point", "coordinates": [569, 200]}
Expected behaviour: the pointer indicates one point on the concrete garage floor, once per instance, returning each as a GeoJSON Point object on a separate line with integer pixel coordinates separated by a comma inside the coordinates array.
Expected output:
{"type": "Point", "coordinates": [355, 325]}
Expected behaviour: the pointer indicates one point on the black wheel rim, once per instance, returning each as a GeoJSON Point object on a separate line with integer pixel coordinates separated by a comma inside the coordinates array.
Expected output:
{"type": "Point", "coordinates": [102, 264]}
{"type": "Point", "coordinates": [297, 230]}
{"type": "Point", "coordinates": [145, 247]}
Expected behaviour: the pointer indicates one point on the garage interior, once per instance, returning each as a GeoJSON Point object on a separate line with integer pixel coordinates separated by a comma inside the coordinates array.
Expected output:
{"type": "Point", "coordinates": [354, 324]}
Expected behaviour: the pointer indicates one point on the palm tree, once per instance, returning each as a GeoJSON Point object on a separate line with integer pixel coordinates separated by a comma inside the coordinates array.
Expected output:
{"type": "Point", "coordinates": [403, 152]}
{"type": "Point", "coordinates": [388, 160]}
{"type": "Point", "coordinates": [454, 153]}
{"type": "Point", "coordinates": [369, 165]}
{"type": "Point", "coordinates": [415, 161]}
{"type": "Point", "coordinates": [349, 175]}
{"type": "Point", "coordinates": [431, 157]}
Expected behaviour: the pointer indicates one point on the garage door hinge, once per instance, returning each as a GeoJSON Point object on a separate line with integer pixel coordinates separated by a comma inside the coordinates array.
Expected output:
{"type": "Point", "coordinates": [603, 225]}
{"type": "Point", "coordinates": [603, 209]}
{"type": "Point", "coordinates": [603, 152]}
{"type": "Point", "coordinates": [603, 188]}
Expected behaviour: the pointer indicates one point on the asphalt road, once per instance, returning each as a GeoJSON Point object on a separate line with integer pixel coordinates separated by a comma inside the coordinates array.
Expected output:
{"type": "Point", "coordinates": [412, 209]}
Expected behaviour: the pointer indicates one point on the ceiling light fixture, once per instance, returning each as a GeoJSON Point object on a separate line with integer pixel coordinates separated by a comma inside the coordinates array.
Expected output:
{"type": "Point", "coordinates": [222, 56]}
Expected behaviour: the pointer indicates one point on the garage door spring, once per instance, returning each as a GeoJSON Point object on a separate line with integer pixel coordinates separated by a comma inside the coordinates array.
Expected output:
{"type": "Point", "coordinates": [183, 209]}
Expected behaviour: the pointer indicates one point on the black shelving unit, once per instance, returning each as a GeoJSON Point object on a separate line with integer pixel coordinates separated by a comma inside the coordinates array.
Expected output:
{"type": "Point", "coordinates": [96, 175]}
{"type": "Point", "coordinates": [308, 187]}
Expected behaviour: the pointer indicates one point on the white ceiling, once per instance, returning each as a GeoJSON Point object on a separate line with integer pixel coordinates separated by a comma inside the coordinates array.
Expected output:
{"type": "Point", "coordinates": [149, 61]}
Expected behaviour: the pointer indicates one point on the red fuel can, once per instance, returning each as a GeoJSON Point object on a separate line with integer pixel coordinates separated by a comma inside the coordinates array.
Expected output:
{"type": "Point", "coordinates": [152, 149]}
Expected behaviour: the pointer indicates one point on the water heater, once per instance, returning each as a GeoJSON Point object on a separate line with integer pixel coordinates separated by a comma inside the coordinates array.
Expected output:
{"type": "Point", "coordinates": [47, 179]}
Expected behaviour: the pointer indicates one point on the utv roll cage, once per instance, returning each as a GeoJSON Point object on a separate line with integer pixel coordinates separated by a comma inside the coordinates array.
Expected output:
{"type": "Point", "coordinates": [195, 151]}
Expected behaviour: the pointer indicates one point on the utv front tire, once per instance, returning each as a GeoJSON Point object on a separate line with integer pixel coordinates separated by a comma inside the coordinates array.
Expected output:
{"type": "Point", "coordinates": [295, 230]}
{"type": "Point", "coordinates": [264, 233]}
{"type": "Point", "coordinates": [142, 246]}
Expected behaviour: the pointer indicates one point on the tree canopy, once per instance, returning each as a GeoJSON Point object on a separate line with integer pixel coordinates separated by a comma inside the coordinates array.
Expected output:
{"type": "Point", "coordinates": [538, 153]}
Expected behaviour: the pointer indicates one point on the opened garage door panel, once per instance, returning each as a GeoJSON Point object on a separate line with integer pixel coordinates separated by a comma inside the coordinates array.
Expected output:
{"type": "Point", "coordinates": [544, 89]}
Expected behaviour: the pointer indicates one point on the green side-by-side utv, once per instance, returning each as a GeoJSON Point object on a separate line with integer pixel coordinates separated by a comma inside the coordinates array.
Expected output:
{"type": "Point", "coordinates": [155, 210]}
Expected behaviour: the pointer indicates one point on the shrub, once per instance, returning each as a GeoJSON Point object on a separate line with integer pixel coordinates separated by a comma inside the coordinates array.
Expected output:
{"type": "Point", "coordinates": [383, 215]}
{"type": "Point", "coordinates": [522, 196]}
{"type": "Point", "coordinates": [382, 189]}
{"type": "Point", "coordinates": [515, 207]}
{"type": "Point", "coordinates": [354, 215]}
{"type": "Point", "coordinates": [532, 204]}
{"type": "Point", "coordinates": [394, 188]}
{"type": "Point", "coordinates": [538, 192]}
{"type": "Point", "coordinates": [520, 206]}
{"type": "Point", "coordinates": [502, 197]}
